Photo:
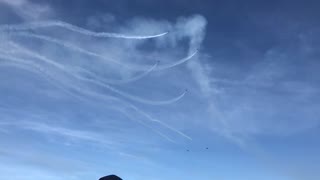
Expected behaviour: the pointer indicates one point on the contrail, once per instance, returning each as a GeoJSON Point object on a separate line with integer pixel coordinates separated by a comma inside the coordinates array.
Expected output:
{"type": "Point", "coordinates": [17, 62]}
{"type": "Point", "coordinates": [160, 122]}
{"type": "Point", "coordinates": [25, 65]}
{"type": "Point", "coordinates": [151, 119]}
{"type": "Point", "coordinates": [109, 81]}
{"type": "Point", "coordinates": [72, 47]}
{"type": "Point", "coordinates": [136, 98]}
{"type": "Point", "coordinates": [49, 78]}
{"type": "Point", "coordinates": [93, 54]}
{"type": "Point", "coordinates": [34, 54]}
{"type": "Point", "coordinates": [36, 25]}
{"type": "Point", "coordinates": [183, 60]}
{"type": "Point", "coordinates": [149, 127]}
{"type": "Point", "coordinates": [58, 83]}
{"type": "Point", "coordinates": [129, 96]}
{"type": "Point", "coordinates": [35, 68]}
{"type": "Point", "coordinates": [124, 94]}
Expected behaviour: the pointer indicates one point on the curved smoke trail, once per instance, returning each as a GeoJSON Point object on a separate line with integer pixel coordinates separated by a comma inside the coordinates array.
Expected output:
{"type": "Point", "coordinates": [80, 91]}
{"type": "Point", "coordinates": [124, 81]}
{"type": "Point", "coordinates": [22, 64]}
{"type": "Point", "coordinates": [124, 94]}
{"type": "Point", "coordinates": [36, 25]}
{"type": "Point", "coordinates": [150, 127]}
{"type": "Point", "coordinates": [70, 46]}
{"type": "Point", "coordinates": [141, 100]}
{"type": "Point", "coordinates": [108, 81]}
{"type": "Point", "coordinates": [93, 54]}
{"type": "Point", "coordinates": [183, 60]}
{"type": "Point", "coordinates": [160, 122]}
{"type": "Point", "coordinates": [26, 65]}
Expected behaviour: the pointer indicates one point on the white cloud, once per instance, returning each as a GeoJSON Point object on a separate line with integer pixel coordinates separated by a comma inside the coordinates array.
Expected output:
{"type": "Point", "coordinates": [28, 10]}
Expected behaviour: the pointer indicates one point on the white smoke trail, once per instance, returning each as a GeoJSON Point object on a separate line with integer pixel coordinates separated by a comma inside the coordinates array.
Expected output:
{"type": "Point", "coordinates": [183, 60]}
{"type": "Point", "coordinates": [9, 60]}
{"type": "Point", "coordinates": [97, 95]}
{"type": "Point", "coordinates": [129, 96]}
{"type": "Point", "coordinates": [72, 47]}
{"type": "Point", "coordinates": [93, 54]}
{"type": "Point", "coordinates": [144, 114]}
{"type": "Point", "coordinates": [19, 63]}
{"type": "Point", "coordinates": [151, 128]}
{"type": "Point", "coordinates": [138, 99]}
{"type": "Point", "coordinates": [60, 66]}
{"type": "Point", "coordinates": [38, 70]}
{"type": "Point", "coordinates": [124, 81]}
{"type": "Point", "coordinates": [36, 25]}
{"type": "Point", "coordinates": [160, 122]}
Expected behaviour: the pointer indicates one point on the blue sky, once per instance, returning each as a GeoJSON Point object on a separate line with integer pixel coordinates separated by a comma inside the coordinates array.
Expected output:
{"type": "Point", "coordinates": [156, 90]}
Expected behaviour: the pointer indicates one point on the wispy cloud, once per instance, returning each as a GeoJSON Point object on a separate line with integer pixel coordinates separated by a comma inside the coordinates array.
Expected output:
{"type": "Point", "coordinates": [28, 10]}
{"type": "Point", "coordinates": [84, 72]}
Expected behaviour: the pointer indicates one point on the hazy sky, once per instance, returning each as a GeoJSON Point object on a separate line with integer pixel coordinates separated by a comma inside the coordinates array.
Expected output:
{"type": "Point", "coordinates": [155, 90]}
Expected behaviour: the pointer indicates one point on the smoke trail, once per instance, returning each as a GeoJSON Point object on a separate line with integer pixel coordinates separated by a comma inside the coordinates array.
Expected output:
{"type": "Point", "coordinates": [132, 79]}
{"type": "Point", "coordinates": [141, 100]}
{"type": "Point", "coordinates": [109, 81]}
{"type": "Point", "coordinates": [37, 69]}
{"type": "Point", "coordinates": [26, 65]}
{"type": "Point", "coordinates": [49, 76]}
{"type": "Point", "coordinates": [36, 25]}
{"type": "Point", "coordinates": [151, 128]}
{"type": "Point", "coordinates": [93, 54]}
{"type": "Point", "coordinates": [129, 96]}
{"type": "Point", "coordinates": [30, 53]}
{"type": "Point", "coordinates": [163, 67]}
{"type": "Point", "coordinates": [160, 122]}
{"type": "Point", "coordinates": [17, 62]}
{"type": "Point", "coordinates": [72, 47]}
{"type": "Point", "coordinates": [135, 98]}
{"type": "Point", "coordinates": [151, 119]}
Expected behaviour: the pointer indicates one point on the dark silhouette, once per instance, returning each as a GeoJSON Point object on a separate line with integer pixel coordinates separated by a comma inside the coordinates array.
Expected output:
{"type": "Point", "coordinates": [110, 177]}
